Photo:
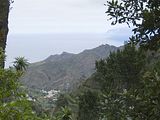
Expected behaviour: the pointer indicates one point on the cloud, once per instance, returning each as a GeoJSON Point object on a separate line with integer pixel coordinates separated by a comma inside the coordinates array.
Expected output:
{"type": "Point", "coordinates": [34, 16]}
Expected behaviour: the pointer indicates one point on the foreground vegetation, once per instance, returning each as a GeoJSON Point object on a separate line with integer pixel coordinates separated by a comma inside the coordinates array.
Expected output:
{"type": "Point", "coordinates": [125, 86]}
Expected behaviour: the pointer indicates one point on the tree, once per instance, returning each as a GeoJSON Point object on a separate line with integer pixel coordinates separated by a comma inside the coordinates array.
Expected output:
{"type": "Point", "coordinates": [13, 101]}
{"type": "Point", "coordinates": [130, 85]}
{"type": "Point", "coordinates": [14, 104]}
{"type": "Point", "coordinates": [144, 101]}
{"type": "Point", "coordinates": [143, 15]}
{"type": "Point", "coordinates": [20, 63]}
{"type": "Point", "coordinates": [88, 106]}
{"type": "Point", "coordinates": [121, 70]}
{"type": "Point", "coordinates": [119, 73]}
{"type": "Point", "coordinates": [4, 13]}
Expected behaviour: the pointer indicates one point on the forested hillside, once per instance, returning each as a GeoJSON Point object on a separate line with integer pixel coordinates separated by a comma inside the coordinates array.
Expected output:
{"type": "Point", "coordinates": [65, 71]}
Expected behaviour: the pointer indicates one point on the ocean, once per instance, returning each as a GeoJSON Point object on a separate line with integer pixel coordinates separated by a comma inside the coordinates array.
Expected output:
{"type": "Point", "coordinates": [37, 47]}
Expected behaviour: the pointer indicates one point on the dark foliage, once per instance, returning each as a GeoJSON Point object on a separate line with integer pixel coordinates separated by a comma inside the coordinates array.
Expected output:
{"type": "Point", "coordinates": [143, 15]}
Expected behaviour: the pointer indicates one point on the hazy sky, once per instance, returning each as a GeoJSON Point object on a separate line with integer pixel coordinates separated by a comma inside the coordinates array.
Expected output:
{"type": "Point", "coordinates": [35, 25]}
{"type": "Point", "coordinates": [39, 16]}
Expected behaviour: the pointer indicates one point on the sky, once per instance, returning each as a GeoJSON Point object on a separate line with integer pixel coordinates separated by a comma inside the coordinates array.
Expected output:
{"type": "Point", "coordinates": [47, 16]}
{"type": "Point", "coordinates": [55, 26]}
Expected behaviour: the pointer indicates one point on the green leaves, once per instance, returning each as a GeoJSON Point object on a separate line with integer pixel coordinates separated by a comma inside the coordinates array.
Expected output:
{"type": "Point", "coordinates": [143, 15]}
{"type": "Point", "coordinates": [13, 102]}
{"type": "Point", "coordinates": [130, 86]}
{"type": "Point", "coordinates": [88, 106]}
{"type": "Point", "coordinates": [8, 85]}
{"type": "Point", "coordinates": [122, 68]}
{"type": "Point", "coordinates": [64, 114]}
{"type": "Point", "coordinates": [20, 64]}
{"type": "Point", "coordinates": [16, 110]}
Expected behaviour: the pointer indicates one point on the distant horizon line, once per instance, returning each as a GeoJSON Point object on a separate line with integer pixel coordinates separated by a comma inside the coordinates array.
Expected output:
{"type": "Point", "coordinates": [57, 33]}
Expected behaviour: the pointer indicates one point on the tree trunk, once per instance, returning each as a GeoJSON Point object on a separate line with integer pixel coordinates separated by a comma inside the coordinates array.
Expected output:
{"type": "Point", "coordinates": [4, 13]}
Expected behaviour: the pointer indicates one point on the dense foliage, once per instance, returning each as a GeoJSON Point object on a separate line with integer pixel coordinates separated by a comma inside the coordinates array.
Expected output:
{"type": "Point", "coordinates": [129, 93]}
{"type": "Point", "coordinates": [14, 104]}
{"type": "Point", "coordinates": [121, 70]}
{"type": "Point", "coordinates": [88, 106]}
{"type": "Point", "coordinates": [129, 87]}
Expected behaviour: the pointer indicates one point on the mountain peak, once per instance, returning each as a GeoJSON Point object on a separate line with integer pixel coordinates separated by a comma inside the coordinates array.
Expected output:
{"type": "Point", "coordinates": [58, 70]}
{"type": "Point", "coordinates": [57, 57]}
{"type": "Point", "coordinates": [66, 53]}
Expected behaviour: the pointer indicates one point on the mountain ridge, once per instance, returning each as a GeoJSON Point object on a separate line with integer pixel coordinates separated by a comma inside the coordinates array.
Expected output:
{"type": "Point", "coordinates": [65, 71]}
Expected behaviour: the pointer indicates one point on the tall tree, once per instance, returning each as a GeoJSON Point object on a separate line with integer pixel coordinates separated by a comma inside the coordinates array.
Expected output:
{"type": "Point", "coordinates": [119, 73]}
{"type": "Point", "coordinates": [121, 70]}
{"type": "Point", "coordinates": [4, 13]}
